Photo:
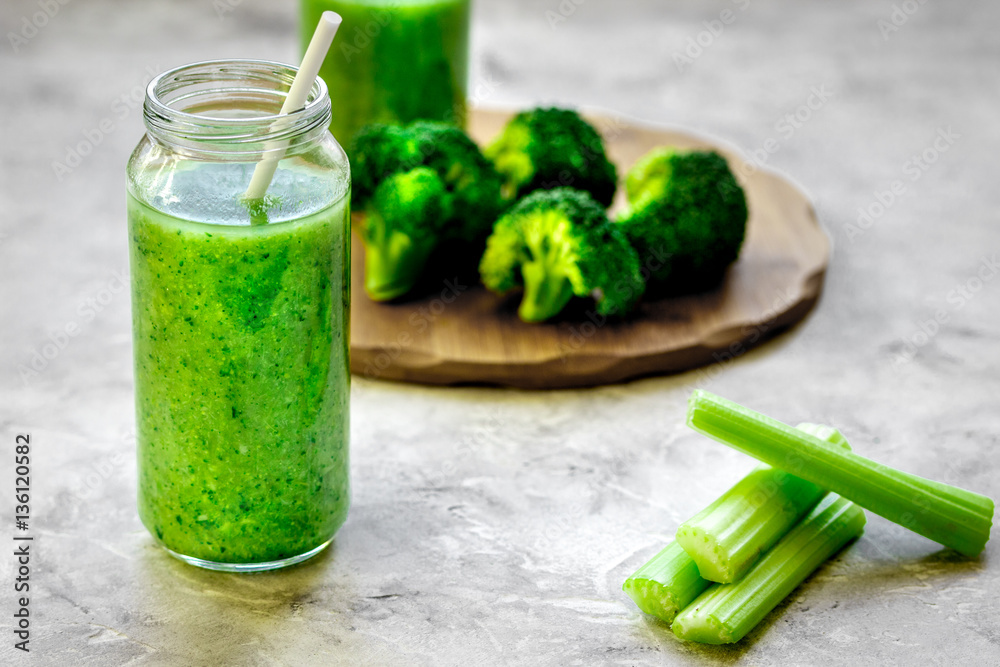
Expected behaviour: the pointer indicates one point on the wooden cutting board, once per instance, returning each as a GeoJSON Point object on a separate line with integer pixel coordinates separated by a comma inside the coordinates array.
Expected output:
{"type": "Point", "coordinates": [463, 334]}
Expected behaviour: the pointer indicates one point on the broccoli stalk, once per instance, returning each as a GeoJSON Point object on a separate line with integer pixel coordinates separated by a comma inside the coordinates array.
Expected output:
{"type": "Point", "coordinates": [420, 187]}
{"type": "Point", "coordinates": [686, 217]}
{"type": "Point", "coordinates": [558, 244]}
{"type": "Point", "coordinates": [543, 149]}
{"type": "Point", "coordinates": [549, 268]}
{"type": "Point", "coordinates": [393, 265]}
{"type": "Point", "coordinates": [546, 292]}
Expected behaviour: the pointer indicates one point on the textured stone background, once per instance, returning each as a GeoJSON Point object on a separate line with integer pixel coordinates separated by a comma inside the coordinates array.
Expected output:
{"type": "Point", "coordinates": [495, 527]}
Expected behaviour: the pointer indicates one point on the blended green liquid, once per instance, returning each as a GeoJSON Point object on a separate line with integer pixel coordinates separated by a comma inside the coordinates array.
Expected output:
{"type": "Point", "coordinates": [393, 61]}
{"type": "Point", "coordinates": [242, 379]}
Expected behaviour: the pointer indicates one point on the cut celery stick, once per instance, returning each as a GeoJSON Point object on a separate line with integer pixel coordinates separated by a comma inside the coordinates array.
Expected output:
{"type": "Point", "coordinates": [948, 515]}
{"type": "Point", "coordinates": [666, 584]}
{"type": "Point", "coordinates": [725, 613]}
{"type": "Point", "coordinates": [726, 538]}
{"type": "Point", "coordinates": [671, 579]}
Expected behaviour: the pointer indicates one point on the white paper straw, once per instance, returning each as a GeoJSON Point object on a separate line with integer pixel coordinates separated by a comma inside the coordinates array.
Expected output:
{"type": "Point", "coordinates": [329, 22]}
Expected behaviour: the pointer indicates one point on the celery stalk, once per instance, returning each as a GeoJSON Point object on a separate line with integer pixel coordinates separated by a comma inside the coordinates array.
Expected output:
{"type": "Point", "coordinates": [948, 515]}
{"type": "Point", "coordinates": [725, 613]}
{"type": "Point", "coordinates": [671, 580]}
{"type": "Point", "coordinates": [666, 584]}
{"type": "Point", "coordinates": [726, 538]}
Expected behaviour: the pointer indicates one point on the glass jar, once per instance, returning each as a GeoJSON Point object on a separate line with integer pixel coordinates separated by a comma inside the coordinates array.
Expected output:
{"type": "Point", "coordinates": [394, 61]}
{"type": "Point", "coordinates": [240, 314]}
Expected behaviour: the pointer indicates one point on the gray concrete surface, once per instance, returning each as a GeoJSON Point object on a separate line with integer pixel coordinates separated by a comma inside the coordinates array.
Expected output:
{"type": "Point", "coordinates": [494, 527]}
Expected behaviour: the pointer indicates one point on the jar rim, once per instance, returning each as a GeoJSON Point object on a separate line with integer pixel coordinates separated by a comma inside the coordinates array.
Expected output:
{"type": "Point", "coordinates": [240, 79]}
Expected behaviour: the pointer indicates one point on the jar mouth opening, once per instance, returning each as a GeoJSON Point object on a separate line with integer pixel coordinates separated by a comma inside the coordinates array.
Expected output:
{"type": "Point", "coordinates": [231, 105]}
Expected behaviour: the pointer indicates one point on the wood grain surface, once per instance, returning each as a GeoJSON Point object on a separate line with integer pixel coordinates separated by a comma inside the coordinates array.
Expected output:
{"type": "Point", "coordinates": [463, 334]}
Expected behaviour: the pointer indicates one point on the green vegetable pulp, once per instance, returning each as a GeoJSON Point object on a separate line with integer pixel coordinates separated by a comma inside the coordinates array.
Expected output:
{"type": "Point", "coordinates": [242, 379]}
{"type": "Point", "coordinates": [394, 61]}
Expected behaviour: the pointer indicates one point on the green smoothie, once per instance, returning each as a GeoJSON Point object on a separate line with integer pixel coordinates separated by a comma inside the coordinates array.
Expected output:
{"type": "Point", "coordinates": [394, 61]}
{"type": "Point", "coordinates": [241, 370]}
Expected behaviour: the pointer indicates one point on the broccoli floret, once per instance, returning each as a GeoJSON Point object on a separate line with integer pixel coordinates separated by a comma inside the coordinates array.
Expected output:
{"type": "Point", "coordinates": [542, 149]}
{"type": "Point", "coordinates": [401, 229]}
{"type": "Point", "coordinates": [378, 151]}
{"type": "Point", "coordinates": [686, 217]}
{"type": "Point", "coordinates": [470, 178]}
{"type": "Point", "coordinates": [558, 244]}
{"type": "Point", "coordinates": [421, 186]}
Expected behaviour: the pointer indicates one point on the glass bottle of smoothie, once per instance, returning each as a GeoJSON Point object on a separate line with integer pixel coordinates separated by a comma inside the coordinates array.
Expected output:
{"type": "Point", "coordinates": [394, 61]}
{"type": "Point", "coordinates": [240, 318]}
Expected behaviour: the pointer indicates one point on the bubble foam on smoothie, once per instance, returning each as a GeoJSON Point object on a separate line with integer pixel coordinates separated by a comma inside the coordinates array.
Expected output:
{"type": "Point", "coordinates": [212, 193]}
